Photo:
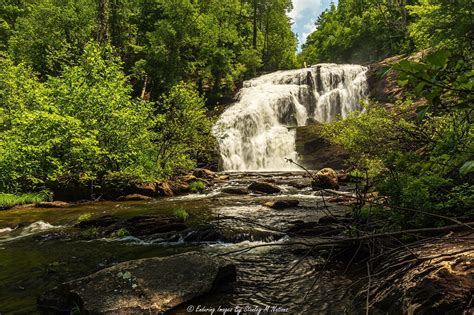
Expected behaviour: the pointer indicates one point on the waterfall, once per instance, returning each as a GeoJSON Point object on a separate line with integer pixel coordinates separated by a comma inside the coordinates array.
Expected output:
{"type": "Point", "coordinates": [255, 132]}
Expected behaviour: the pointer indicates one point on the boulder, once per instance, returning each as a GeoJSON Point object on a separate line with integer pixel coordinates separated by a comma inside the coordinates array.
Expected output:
{"type": "Point", "coordinates": [325, 179]}
{"type": "Point", "coordinates": [134, 197]}
{"type": "Point", "coordinates": [204, 173]}
{"type": "Point", "coordinates": [151, 285]}
{"type": "Point", "coordinates": [189, 178]}
{"type": "Point", "coordinates": [164, 189]}
{"type": "Point", "coordinates": [264, 187]}
{"type": "Point", "coordinates": [236, 190]}
{"type": "Point", "coordinates": [282, 204]}
{"type": "Point", "coordinates": [145, 189]}
{"type": "Point", "coordinates": [316, 152]}
{"type": "Point", "coordinates": [181, 187]}
{"type": "Point", "coordinates": [53, 204]}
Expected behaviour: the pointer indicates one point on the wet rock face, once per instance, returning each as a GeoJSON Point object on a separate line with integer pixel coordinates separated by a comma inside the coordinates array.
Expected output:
{"type": "Point", "coordinates": [264, 187]}
{"type": "Point", "coordinates": [316, 152]}
{"type": "Point", "coordinates": [151, 285]}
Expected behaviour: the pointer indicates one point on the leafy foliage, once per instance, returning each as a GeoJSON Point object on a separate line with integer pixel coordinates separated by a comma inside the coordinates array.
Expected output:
{"type": "Point", "coordinates": [358, 31]}
{"type": "Point", "coordinates": [75, 127]}
{"type": "Point", "coordinates": [442, 24]}
{"type": "Point", "coordinates": [181, 214]}
{"type": "Point", "coordinates": [161, 42]}
{"type": "Point", "coordinates": [197, 186]}
{"type": "Point", "coordinates": [367, 30]}
{"type": "Point", "coordinates": [10, 200]}
{"type": "Point", "coordinates": [415, 163]}
{"type": "Point", "coordinates": [182, 130]}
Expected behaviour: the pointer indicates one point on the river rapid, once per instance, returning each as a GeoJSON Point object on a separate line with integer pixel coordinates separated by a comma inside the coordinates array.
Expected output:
{"type": "Point", "coordinates": [37, 252]}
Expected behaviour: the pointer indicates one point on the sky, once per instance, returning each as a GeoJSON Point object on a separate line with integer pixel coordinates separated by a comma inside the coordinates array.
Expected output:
{"type": "Point", "coordinates": [304, 14]}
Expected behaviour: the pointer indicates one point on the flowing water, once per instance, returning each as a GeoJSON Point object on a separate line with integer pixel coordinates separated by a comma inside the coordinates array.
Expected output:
{"type": "Point", "coordinates": [38, 252]}
{"type": "Point", "coordinates": [38, 249]}
{"type": "Point", "coordinates": [254, 133]}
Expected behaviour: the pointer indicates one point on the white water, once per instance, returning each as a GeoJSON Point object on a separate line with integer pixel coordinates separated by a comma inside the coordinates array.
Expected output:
{"type": "Point", "coordinates": [253, 133]}
{"type": "Point", "coordinates": [9, 234]}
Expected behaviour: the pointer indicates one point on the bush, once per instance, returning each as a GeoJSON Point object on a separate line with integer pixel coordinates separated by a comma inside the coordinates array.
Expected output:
{"type": "Point", "coordinates": [197, 186]}
{"type": "Point", "coordinates": [75, 128]}
{"type": "Point", "coordinates": [415, 163]}
{"type": "Point", "coordinates": [182, 130]}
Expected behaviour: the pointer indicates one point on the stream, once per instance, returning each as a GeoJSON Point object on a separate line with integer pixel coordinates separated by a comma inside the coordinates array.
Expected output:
{"type": "Point", "coordinates": [37, 254]}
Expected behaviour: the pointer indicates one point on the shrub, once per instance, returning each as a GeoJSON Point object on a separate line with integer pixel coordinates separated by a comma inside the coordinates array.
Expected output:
{"type": "Point", "coordinates": [182, 129]}
{"type": "Point", "coordinates": [197, 186]}
{"type": "Point", "coordinates": [414, 162]}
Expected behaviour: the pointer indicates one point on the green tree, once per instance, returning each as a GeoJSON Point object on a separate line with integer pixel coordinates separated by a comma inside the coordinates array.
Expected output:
{"type": "Point", "coordinates": [53, 33]}
{"type": "Point", "coordinates": [359, 31]}
{"type": "Point", "coordinates": [182, 131]}
{"type": "Point", "coordinates": [443, 24]}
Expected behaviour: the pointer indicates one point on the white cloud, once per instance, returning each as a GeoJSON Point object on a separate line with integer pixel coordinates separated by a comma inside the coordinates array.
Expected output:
{"type": "Point", "coordinates": [308, 29]}
{"type": "Point", "coordinates": [300, 6]}
{"type": "Point", "coordinates": [304, 15]}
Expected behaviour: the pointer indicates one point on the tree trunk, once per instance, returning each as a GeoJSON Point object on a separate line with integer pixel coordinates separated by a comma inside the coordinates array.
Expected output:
{"type": "Point", "coordinates": [104, 16]}
{"type": "Point", "coordinates": [254, 38]}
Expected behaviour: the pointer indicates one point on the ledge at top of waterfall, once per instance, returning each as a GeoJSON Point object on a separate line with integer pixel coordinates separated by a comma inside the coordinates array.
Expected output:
{"type": "Point", "coordinates": [253, 133]}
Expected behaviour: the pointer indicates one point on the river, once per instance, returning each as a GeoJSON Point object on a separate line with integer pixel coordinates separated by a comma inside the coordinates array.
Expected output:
{"type": "Point", "coordinates": [38, 253]}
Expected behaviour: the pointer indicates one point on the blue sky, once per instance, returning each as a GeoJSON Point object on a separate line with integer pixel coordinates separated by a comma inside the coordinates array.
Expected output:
{"type": "Point", "coordinates": [304, 14]}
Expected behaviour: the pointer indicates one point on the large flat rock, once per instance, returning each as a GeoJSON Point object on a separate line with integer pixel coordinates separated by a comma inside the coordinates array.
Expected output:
{"type": "Point", "coordinates": [151, 285]}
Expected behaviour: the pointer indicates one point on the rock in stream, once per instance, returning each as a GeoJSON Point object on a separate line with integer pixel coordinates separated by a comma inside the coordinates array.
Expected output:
{"type": "Point", "coordinates": [151, 285]}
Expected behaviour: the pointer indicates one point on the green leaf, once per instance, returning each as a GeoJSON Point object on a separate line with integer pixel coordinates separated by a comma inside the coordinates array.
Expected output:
{"type": "Point", "coordinates": [421, 112]}
{"type": "Point", "coordinates": [438, 59]}
{"type": "Point", "coordinates": [467, 168]}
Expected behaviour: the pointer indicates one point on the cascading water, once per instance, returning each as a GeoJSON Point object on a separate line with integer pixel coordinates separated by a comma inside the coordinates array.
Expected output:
{"type": "Point", "coordinates": [255, 133]}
